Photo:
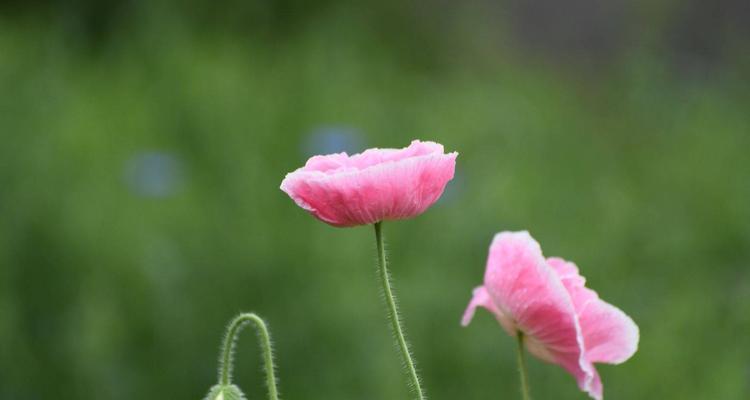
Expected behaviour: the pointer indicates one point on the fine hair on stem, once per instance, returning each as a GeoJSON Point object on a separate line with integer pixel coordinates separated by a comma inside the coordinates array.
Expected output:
{"type": "Point", "coordinates": [394, 317]}
{"type": "Point", "coordinates": [264, 338]}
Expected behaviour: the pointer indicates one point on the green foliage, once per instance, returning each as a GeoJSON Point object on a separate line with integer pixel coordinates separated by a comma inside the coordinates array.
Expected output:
{"type": "Point", "coordinates": [111, 290]}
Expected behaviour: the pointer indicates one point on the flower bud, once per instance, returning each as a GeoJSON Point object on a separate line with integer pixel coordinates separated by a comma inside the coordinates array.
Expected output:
{"type": "Point", "coordinates": [225, 392]}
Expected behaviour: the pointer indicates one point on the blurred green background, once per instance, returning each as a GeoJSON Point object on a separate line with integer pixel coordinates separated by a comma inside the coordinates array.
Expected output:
{"type": "Point", "coordinates": [143, 144]}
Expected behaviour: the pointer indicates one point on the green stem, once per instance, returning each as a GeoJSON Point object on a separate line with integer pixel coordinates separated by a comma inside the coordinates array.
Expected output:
{"type": "Point", "coordinates": [393, 315]}
{"type": "Point", "coordinates": [225, 376]}
{"type": "Point", "coordinates": [522, 369]}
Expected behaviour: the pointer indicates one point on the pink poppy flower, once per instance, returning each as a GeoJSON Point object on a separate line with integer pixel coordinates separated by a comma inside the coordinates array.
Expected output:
{"type": "Point", "coordinates": [376, 185]}
{"type": "Point", "coordinates": [563, 321]}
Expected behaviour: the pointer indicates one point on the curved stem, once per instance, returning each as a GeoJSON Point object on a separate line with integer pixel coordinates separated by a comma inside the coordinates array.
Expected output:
{"type": "Point", "coordinates": [522, 369]}
{"type": "Point", "coordinates": [393, 315]}
{"type": "Point", "coordinates": [225, 376]}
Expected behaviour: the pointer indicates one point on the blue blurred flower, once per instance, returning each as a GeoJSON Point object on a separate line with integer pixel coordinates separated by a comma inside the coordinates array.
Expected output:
{"type": "Point", "coordinates": [154, 174]}
{"type": "Point", "coordinates": [333, 139]}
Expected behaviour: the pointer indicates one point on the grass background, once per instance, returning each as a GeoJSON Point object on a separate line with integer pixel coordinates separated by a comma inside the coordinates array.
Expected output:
{"type": "Point", "coordinates": [143, 143]}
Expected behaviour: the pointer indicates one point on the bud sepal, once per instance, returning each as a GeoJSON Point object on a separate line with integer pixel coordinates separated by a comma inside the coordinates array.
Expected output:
{"type": "Point", "coordinates": [225, 392]}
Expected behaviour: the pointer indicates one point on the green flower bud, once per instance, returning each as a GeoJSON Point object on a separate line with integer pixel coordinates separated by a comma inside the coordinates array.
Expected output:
{"type": "Point", "coordinates": [225, 392]}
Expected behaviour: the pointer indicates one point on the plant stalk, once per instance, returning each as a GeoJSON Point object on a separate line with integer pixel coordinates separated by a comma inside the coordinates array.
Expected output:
{"type": "Point", "coordinates": [394, 317]}
{"type": "Point", "coordinates": [225, 374]}
{"type": "Point", "coordinates": [522, 369]}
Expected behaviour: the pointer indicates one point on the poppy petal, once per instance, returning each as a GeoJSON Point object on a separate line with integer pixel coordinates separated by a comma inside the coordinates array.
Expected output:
{"type": "Point", "coordinates": [610, 335]}
{"type": "Point", "coordinates": [376, 185]}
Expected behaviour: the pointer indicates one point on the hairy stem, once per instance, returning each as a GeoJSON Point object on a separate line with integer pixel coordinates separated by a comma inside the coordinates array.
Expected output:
{"type": "Point", "coordinates": [393, 315]}
{"type": "Point", "coordinates": [225, 374]}
{"type": "Point", "coordinates": [522, 369]}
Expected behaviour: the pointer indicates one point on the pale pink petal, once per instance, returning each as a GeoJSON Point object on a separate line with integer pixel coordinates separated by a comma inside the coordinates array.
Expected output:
{"type": "Point", "coordinates": [376, 185]}
{"type": "Point", "coordinates": [525, 288]}
{"type": "Point", "coordinates": [373, 157]}
{"type": "Point", "coordinates": [563, 321]}
{"type": "Point", "coordinates": [481, 298]}
{"type": "Point", "coordinates": [584, 372]}
{"type": "Point", "coordinates": [609, 335]}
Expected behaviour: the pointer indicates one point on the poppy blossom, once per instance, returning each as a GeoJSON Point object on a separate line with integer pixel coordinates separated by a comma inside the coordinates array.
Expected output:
{"type": "Point", "coordinates": [373, 186]}
{"type": "Point", "coordinates": [562, 321]}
